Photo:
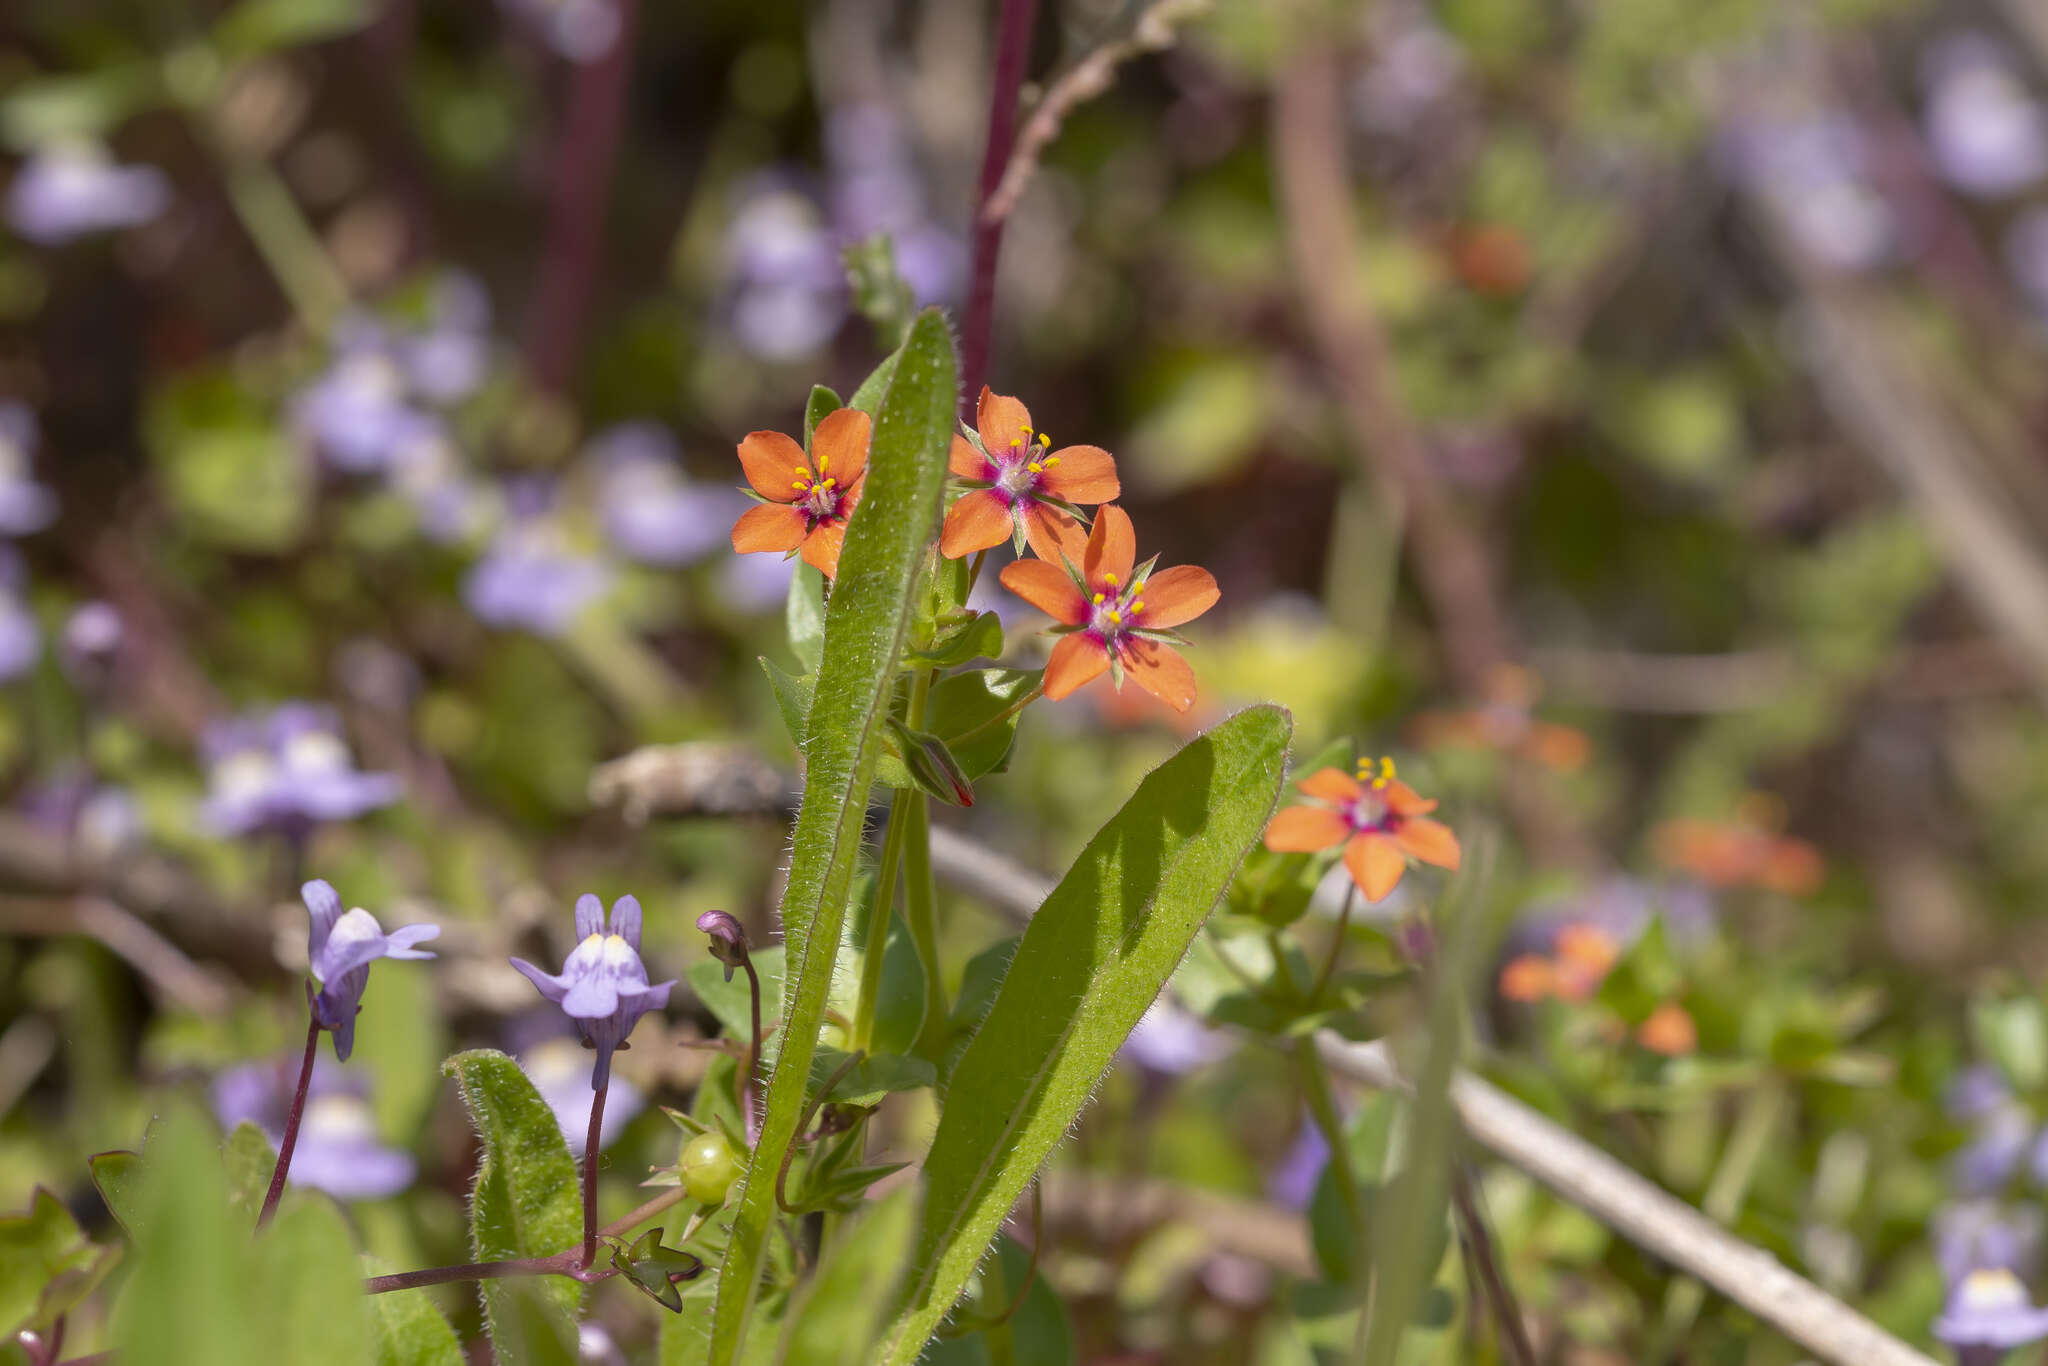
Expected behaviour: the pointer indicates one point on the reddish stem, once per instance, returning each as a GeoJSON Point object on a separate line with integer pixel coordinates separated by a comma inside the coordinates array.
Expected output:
{"type": "Point", "coordinates": [590, 1175]}
{"type": "Point", "coordinates": [561, 1264]}
{"type": "Point", "coordinates": [580, 170]}
{"type": "Point", "coordinates": [1013, 50]}
{"type": "Point", "coordinates": [749, 1094]}
{"type": "Point", "coordinates": [291, 1128]}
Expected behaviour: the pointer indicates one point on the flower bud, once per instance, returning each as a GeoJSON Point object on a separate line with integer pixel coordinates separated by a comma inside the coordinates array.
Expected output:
{"type": "Point", "coordinates": [728, 940]}
{"type": "Point", "coordinates": [932, 766]}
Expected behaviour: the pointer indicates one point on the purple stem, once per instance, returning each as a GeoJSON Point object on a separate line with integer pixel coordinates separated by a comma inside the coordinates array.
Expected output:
{"type": "Point", "coordinates": [590, 1175]}
{"type": "Point", "coordinates": [1013, 50]}
{"type": "Point", "coordinates": [291, 1128]}
{"type": "Point", "coordinates": [749, 1087]}
{"type": "Point", "coordinates": [581, 173]}
{"type": "Point", "coordinates": [561, 1264]}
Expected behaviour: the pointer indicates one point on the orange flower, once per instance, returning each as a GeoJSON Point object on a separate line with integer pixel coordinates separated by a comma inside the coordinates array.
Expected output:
{"type": "Point", "coordinates": [1379, 821]}
{"type": "Point", "coordinates": [1585, 955]}
{"type": "Point", "coordinates": [806, 505]}
{"type": "Point", "coordinates": [1020, 488]}
{"type": "Point", "coordinates": [1530, 977]}
{"type": "Point", "coordinates": [1668, 1030]}
{"type": "Point", "coordinates": [1115, 618]}
{"type": "Point", "coordinates": [1507, 724]}
{"type": "Point", "coordinates": [1747, 851]}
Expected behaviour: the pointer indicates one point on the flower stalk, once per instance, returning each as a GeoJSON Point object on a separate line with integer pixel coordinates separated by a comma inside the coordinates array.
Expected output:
{"type": "Point", "coordinates": [291, 1127]}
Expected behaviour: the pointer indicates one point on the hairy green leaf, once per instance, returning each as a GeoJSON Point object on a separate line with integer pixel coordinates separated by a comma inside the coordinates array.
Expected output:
{"type": "Point", "coordinates": [250, 1161]}
{"type": "Point", "coordinates": [804, 616]}
{"type": "Point", "coordinates": [526, 1203]}
{"type": "Point", "coordinates": [1096, 954]}
{"type": "Point", "coordinates": [865, 628]}
{"type": "Point", "coordinates": [410, 1331]}
{"type": "Point", "coordinates": [47, 1265]}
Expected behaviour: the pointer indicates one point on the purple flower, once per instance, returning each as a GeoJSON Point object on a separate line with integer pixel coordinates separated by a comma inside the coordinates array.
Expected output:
{"type": "Point", "coordinates": [650, 512]}
{"type": "Point", "coordinates": [580, 30]}
{"type": "Point", "coordinates": [427, 471]}
{"type": "Point", "coordinates": [1981, 1233]}
{"type": "Point", "coordinates": [1812, 173]}
{"type": "Point", "coordinates": [1416, 67]}
{"type": "Point", "coordinates": [339, 951]}
{"type": "Point", "coordinates": [90, 640]}
{"type": "Point", "coordinates": [1174, 1041]}
{"type": "Point", "coordinates": [286, 771]}
{"type": "Point", "coordinates": [25, 506]}
{"type": "Point", "coordinates": [99, 820]}
{"type": "Point", "coordinates": [338, 1151]}
{"type": "Point", "coordinates": [1986, 135]}
{"type": "Point", "coordinates": [1293, 1182]}
{"type": "Point", "coordinates": [1987, 1315]}
{"type": "Point", "coordinates": [558, 1071]}
{"type": "Point", "coordinates": [21, 639]}
{"type": "Point", "coordinates": [789, 289]}
{"type": "Point", "coordinates": [69, 192]}
{"type": "Point", "coordinates": [2003, 1139]}
{"type": "Point", "coordinates": [603, 987]}
{"type": "Point", "coordinates": [1975, 1092]}
{"type": "Point", "coordinates": [529, 580]}
{"type": "Point", "coordinates": [448, 361]}
{"type": "Point", "coordinates": [358, 413]}
{"type": "Point", "coordinates": [756, 583]}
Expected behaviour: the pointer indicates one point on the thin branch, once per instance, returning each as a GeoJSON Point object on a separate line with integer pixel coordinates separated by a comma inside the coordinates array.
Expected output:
{"type": "Point", "coordinates": [1087, 78]}
{"type": "Point", "coordinates": [1647, 1216]}
{"type": "Point", "coordinates": [291, 1127]}
{"type": "Point", "coordinates": [1013, 50]}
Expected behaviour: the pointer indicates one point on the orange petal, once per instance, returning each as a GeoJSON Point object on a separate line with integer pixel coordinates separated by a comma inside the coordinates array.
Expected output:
{"type": "Point", "coordinates": [1331, 785]}
{"type": "Point", "coordinates": [1054, 532]}
{"type": "Point", "coordinates": [1402, 800]}
{"type": "Point", "coordinates": [1179, 594]}
{"type": "Point", "coordinates": [822, 547]}
{"type": "Point", "coordinates": [1560, 747]}
{"type": "Point", "coordinates": [768, 526]}
{"type": "Point", "coordinates": [1375, 862]}
{"type": "Point", "coordinates": [1047, 588]}
{"type": "Point", "coordinates": [1303, 829]}
{"type": "Point", "coordinates": [1528, 978]}
{"type": "Point", "coordinates": [1004, 423]}
{"type": "Point", "coordinates": [967, 462]}
{"type": "Point", "coordinates": [1084, 474]}
{"type": "Point", "coordinates": [1077, 659]}
{"type": "Point", "coordinates": [774, 464]}
{"type": "Point", "coordinates": [1160, 670]}
{"type": "Point", "coordinates": [1112, 547]}
{"type": "Point", "coordinates": [839, 445]}
{"type": "Point", "coordinates": [1430, 841]}
{"type": "Point", "coordinates": [1669, 1030]}
{"type": "Point", "coordinates": [976, 521]}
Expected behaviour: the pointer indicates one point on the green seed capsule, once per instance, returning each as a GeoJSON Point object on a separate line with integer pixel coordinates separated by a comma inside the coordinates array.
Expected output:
{"type": "Point", "coordinates": [708, 1167]}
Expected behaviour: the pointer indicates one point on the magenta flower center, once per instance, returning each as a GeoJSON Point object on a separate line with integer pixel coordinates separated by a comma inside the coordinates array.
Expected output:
{"type": "Point", "coordinates": [820, 503]}
{"type": "Point", "coordinates": [1367, 811]}
{"type": "Point", "coordinates": [1113, 610]}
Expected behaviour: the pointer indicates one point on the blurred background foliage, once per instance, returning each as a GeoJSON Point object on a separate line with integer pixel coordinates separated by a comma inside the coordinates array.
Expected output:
{"type": "Point", "coordinates": [387, 356]}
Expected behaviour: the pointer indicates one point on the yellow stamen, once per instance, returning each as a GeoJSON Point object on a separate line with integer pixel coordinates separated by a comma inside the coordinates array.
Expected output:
{"type": "Point", "coordinates": [1044, 440]}
{"type": "Point", "coordinates": [1386, 773]}
{"type": "Point", "coordinates": [1051, 460]}
{"type": "Point", "coordinates": [1138, 606]}
{"type": "Point", "coordinates": [1016, 441]}
{"type": "Point", "coordinates": [1036, 468]}
{"type": "Point", "coordinates": [800, 486]}
{"type": "Point", "coordinates": [1098, 599]}
{"type": "Point", "coordinates": [824, 463]}
{"type": "Point", "coordinates": [1110, 579]}
{"type": "Point", "coordinates": [1116, 616]}
{"type": "Point", "coordinates": [829, 483]}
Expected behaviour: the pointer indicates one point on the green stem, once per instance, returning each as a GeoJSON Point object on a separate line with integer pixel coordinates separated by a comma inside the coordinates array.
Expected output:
{"type": "Point", "coordinates": [1005, 714]}
{"type": "Point", "coordinates": [1315, 994]}
{"type": "Point", "coordinates": [1722, 1203]}
{"type": "Point", "coordinates": [286, 241]}
{"type": "Point", "coordinates": [922, 902]}
{"type": "Point", "coordinates": [1322, 1109]}
{"type": "Point", "coordinates": [878, 924]}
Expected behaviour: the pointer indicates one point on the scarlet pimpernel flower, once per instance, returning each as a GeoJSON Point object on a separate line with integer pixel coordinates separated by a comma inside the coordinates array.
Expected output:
{"type": "Point", "coordinates": [1116, 618]}
{"type": "Point", "coordinates": [603, 986]}
{"type": "Point", "coordinates": [1019, 488]}
{"type": "Point", "coordinates": [1377, 818]}
{"type": "Point", "coordinates": [339, 950]}
{"type": "Point", "coordinates": [806, 497]}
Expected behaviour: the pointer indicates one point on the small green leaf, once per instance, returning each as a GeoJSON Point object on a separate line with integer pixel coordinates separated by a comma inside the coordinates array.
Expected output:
{"type": "Point", "coordinates": [792, 698]}
{"type": "Point", "coordinates": [822, 402]}
{"type": "Point", "coordinates": [250, 1162]}
{"type": "Point", "coordinates": [839, 1309]}
{"type": "Point", "coordinates": [410, 1331]}
{"type": "Point", "coordinates": [526, 1203]}
{"type": "Point", "coordinates": [872, 1077]}
{"type": "Point", "coordinates": [899, 1006]}
{"type": "Point", "coordinates": [962, 709]}
{"type": "Point", "coordinates": [256, 27]}
{"type": "Point", "coordinates": [47, 1265]}
{"type": "Point", "coordinates": [118, 1177]}
{"type": "Point", "coordinates": [865, 629]}
{"type": "Point", "coordinates": [978, 637]}
{"type": "Point", "coordinates": [1094, 958]}
{"type": "Point", "coordinates": [804, 614]}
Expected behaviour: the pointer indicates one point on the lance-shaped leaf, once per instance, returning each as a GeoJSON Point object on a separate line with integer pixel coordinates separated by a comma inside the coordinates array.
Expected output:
{"type": "Point", "coordinates": [410, 1331]}
{"type": "Point", "coordinates": [526, 1203]}
{"type": "Point", "coordinates": [1095, 955]}
{"type": "Point", "coordinates": [865, 628]}
{"type": "Point", "coordinates": [839, 1309]}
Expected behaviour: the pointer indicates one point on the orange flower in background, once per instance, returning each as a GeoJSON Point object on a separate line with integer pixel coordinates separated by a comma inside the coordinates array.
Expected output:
{"type": "Point", "coordinates": [1020, 488]}
{"type": "Point", "coordinates": [1113, 617]}
{"type": "Point", "coordinates": [1379, 820]}
{"type": "Point", "coordinates": [1507, 723]}
{"type": "Point", "coordinates": [1669, 1030]}
{"type": "Point", "coordinates": [1579, 960]}
{"type": "Point", "coordinates": [1529, 978]}
{"type": "Point", "coordinates": [1745, 852]}
{"type": "Point", "coordinates": [807, 497]}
